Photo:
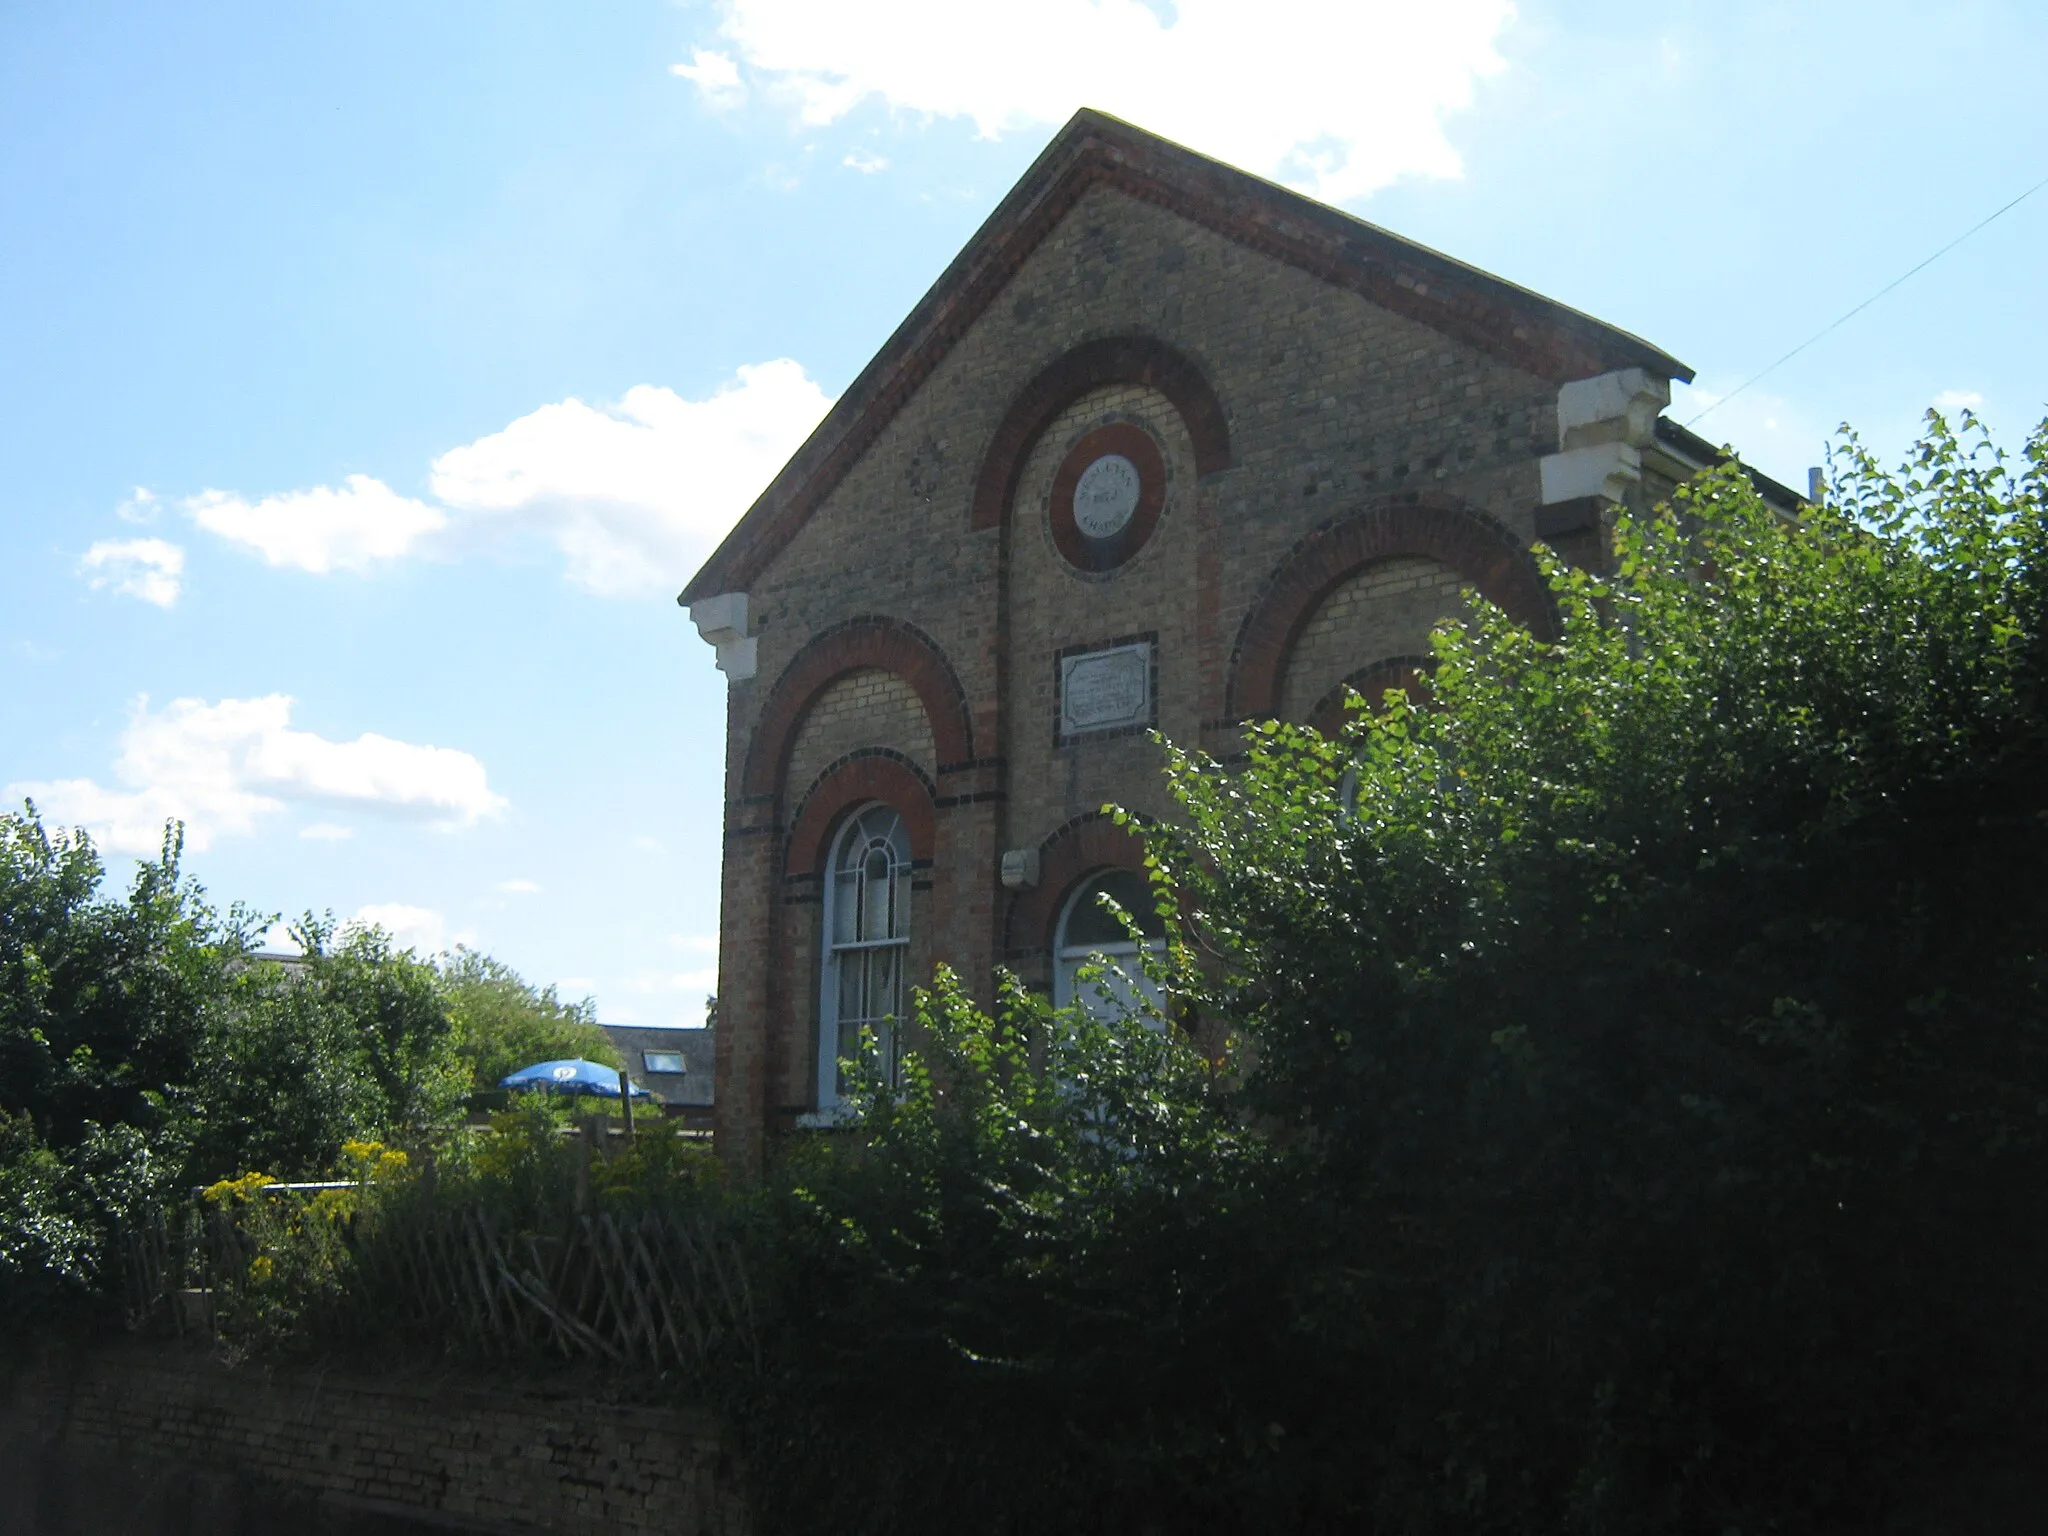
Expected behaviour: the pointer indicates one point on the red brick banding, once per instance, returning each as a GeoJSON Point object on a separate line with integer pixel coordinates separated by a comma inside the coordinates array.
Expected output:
{"type": "Point", "coordinates": [861, 778]}
{"type": "Point", "coordinates": [1111, 360]}
{"type": "Point", "coordinates": [1408, 673]}
{"type": "Point", "coordinates": [1420, 524]}
{"type": "Point", "coordinates": [1097, 555]}
{"type": "Point", "coordinates": [1077, 850]}
{"type": "Point", "coordinates": [1539, 335]}
{"type": "Point", "coordinates": [870, 641]}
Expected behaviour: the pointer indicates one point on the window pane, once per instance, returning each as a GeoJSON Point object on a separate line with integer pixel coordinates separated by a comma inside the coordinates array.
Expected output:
{"type": "Point", "coordinates": [1088, 925]}
{"type": "Point", "coordinates": [882, 973]}
{"type": "Point", "coordinates": [662, 1061]}
{"type": "Point", "coordinates": [1121, 991]}
{"type": "Point", "coordinates": [845, 899]}
{"type": "Point", "coordinates": [852, 982]}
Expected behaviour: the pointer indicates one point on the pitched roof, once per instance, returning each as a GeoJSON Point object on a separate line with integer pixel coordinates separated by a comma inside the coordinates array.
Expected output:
{"type": "Point", "coordinates": [1548, 339]}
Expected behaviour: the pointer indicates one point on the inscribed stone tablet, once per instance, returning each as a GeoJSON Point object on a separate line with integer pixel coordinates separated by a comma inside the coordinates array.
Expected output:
{"type": "Point", "coordinates": [1106, 690]}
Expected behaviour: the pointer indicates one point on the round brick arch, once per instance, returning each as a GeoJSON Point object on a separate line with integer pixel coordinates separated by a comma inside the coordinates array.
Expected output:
{"type": "Point", "coordinates": [861, 778]}
{"type": "Point", "coordinates": [856, 645]}
{"type": "Point", "coordinates": [1424, 525]}
{"type": "Point", "coordinates": [1110, 360]}
{"type": "Point", "coordinates": [1077, 850]}
{"type": "Point", "coordinates": [1410, 674]}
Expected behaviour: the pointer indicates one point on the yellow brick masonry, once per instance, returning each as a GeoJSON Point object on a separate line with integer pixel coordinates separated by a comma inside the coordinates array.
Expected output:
{"type": "Point", "coordinates": [868, 708]}
{"type": "Point", "coordinates": [1385, 610]}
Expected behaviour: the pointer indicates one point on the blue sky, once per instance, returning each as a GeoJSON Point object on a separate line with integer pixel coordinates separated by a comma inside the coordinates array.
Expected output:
{"type": "Point", "coordinates": [374, 375]}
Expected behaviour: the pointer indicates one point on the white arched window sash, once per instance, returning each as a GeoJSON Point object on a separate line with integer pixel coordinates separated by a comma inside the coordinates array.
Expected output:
{"type": "Point", "coordinates": [1087, 931]}
{"type": "Point", "coordinates": [866, 948]}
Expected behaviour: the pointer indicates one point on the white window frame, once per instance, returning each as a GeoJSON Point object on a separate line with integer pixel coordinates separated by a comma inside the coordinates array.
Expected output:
{"type": "Point", "coordinates": [1122, 957]}
{"type": "Point", "coordinates": [648, 1059]}
{"type": "Point", "coordinates": [830, 953]}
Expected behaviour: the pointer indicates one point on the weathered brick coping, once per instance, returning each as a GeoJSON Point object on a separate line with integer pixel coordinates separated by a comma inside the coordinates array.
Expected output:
{"type": "Point", "coordinates": [159, 1441]}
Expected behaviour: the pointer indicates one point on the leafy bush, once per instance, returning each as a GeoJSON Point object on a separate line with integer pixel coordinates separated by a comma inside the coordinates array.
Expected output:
{"type": "Point", "coordinates": [502, 1024]}
{"type": "Point", "coordinates": [1644, 1041]}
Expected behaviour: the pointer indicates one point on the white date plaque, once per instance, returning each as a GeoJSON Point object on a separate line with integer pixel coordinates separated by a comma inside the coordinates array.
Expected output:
{"type": "Point", "coordinates": [1105, 496]}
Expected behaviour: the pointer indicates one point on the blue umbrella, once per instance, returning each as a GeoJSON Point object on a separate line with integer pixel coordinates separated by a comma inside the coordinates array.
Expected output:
{"type": "Point", "coordinates": [576, 1076]}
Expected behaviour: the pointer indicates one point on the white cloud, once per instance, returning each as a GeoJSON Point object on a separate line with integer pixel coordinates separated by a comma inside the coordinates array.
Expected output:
{"type": "Point", "coordinates": [867, 162]}
{"type": "Point", "coordinates": [1952, 400]}
{"type": "Point", "coordinates": [222, 767]}
{"type": "Point", "coordinates": [520, 887]}
{"type": "Point", "coordinates": [348, 528]}
{"type": "Point", "coordinates": [141, 507]}
{"type": "Point", "coordinates": [146, 568]}
{"type": "Point", "coordinates": [634, 494]}
{"type": "Point", "coordinates": [1338, 97]}
{"type": "Point", "coordinates": [278, 939]}
{"type": "Point", "coordinates": [326, 832]}
{"type": "Point", "coordinates": [419, 929]}
{"type": "Point", "coordinates": [717, 79]}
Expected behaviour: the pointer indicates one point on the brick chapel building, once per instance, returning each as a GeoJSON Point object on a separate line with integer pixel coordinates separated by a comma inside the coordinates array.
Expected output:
{"type": "Point", "coordinates": [1166, 447]}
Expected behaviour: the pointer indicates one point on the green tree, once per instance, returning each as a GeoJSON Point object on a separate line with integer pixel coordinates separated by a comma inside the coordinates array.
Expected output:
{"type": "Point", "coordinates": [143, 1049]}
{"type": "Point", "coordinates": [1660, 1018]}
{"type": "Point", "coordinates": [503, 1024]}
{"type": "Point", "coordinates": [1636, 1116]}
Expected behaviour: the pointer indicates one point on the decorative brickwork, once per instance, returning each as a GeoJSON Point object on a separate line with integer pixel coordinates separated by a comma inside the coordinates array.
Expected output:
{"type": "Point", "coordinates": [856, 645]}
{"type": "Point", "coordinates": [1124, 360]}
{"type": "Point", "coordinates": [1094, 152]}
{"type": "Point", "coordinates": [1419, 525]}
{"type": "Point", "coordinates": [1346, 426]}
{"type": "Point", "coordinates": [1387, 609]}
{"type": "Point", "coordinates": [1066, 858]}
{"type": "Point", "coordinates": [871, 774]}
{"type": "Point", "coordinates": [1372, 683]}
{"type": "Point", "coordinates": [867, 708]}
{"type": "Point", "coordinates": [1101, 555]}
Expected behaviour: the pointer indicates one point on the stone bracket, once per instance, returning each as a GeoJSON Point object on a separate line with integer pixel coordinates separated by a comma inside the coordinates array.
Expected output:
{"type": "Point", "coordinates": [722, 622]}
{"type": "Point", "coordinates": [1604, 469]}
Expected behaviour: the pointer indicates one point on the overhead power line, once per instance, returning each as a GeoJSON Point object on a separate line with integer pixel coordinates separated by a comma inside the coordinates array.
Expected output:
{"type": "Point", "coordinates": [1852, 314]}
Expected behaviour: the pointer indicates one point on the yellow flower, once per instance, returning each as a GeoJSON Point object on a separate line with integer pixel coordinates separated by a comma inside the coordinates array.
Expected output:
{"type": "Point", "coordinates": [260, 1268]}
{"type": "Point", "coordinates": [247, 1187]}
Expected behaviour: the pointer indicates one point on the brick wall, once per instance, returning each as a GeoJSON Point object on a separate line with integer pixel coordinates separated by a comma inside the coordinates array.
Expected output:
{"type": "Point", "coordinates": [1326, 406]}
{"type": "Point", "coordinates": [867, 708]}
{"type": "Point", "coordinates": [164, 1441]}
{"type": "Point", "coordinates": [1385, 610]}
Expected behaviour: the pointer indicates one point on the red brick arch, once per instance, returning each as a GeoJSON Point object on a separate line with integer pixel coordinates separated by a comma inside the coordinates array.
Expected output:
{"type": "Point", "coordinates": [1421, 524]}
{"type": "Point", "coordinates": [1408, 673]}
{"type": "Point", "coordinates": [1077, 850]}
{"type": "Point", "coordinates": [1110, 360]}
{"type": "Point", "coordinates": [861, 778]}
{"type": "Point", "coordinates": [852, 646]}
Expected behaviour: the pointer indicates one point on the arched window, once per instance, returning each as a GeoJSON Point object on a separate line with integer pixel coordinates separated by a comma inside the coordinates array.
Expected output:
{"type": "Point", "coordinates": [867, 942]}
{"type": "Point", "coordinates": [1086, 929]}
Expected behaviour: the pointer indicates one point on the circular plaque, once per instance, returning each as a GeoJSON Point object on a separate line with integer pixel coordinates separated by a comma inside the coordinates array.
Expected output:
{"type": "Point", "coordinates": [1106, 496]}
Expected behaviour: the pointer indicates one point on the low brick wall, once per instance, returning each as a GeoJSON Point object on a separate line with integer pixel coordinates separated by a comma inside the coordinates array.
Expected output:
{"type": "Point", "coordinates": [164, 1441]}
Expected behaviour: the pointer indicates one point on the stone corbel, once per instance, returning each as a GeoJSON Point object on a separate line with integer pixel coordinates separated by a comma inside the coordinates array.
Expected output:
{"type": "Point", "coordinates": [1600, 469]}
{"type": "Point", "coordinates": [1603, 424]}
{"type": "Point", "coordinates": [722, 623]}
